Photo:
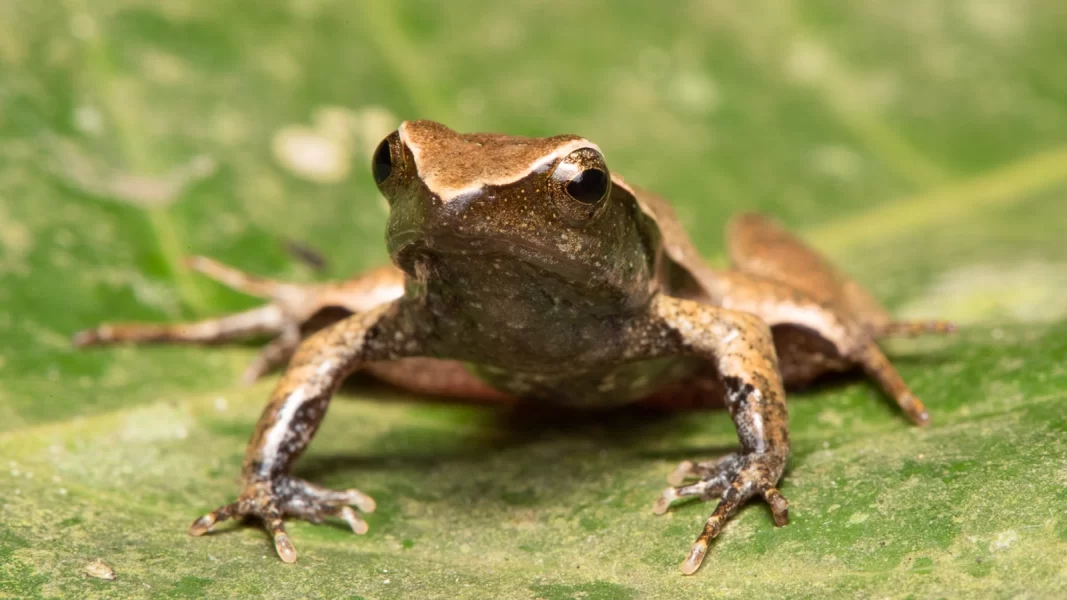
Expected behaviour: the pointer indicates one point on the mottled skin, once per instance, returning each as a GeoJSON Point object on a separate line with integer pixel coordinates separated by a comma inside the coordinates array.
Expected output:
{"type": "Point", "coordinates": [523, 271]}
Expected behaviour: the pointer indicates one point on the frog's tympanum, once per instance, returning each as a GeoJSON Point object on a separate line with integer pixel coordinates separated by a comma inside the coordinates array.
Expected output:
{"type": "Point", "coordinates": [524, 270]}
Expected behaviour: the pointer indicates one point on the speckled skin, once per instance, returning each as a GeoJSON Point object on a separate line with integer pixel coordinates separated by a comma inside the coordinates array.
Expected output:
{"type": "Point", "coordinates": [507, 287]}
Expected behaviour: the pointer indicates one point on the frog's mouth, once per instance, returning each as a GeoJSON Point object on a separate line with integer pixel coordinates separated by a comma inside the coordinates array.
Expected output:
{"type": "Point", "coordinates": [407, 246]}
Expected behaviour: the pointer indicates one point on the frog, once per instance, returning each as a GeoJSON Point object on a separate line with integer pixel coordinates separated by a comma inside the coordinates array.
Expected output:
{"type": "Point", "coordinates": [524, 270]}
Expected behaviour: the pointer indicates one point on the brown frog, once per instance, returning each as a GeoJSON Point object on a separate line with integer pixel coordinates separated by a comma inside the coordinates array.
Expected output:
{"type": "Point", "coordinates": [526, 270]}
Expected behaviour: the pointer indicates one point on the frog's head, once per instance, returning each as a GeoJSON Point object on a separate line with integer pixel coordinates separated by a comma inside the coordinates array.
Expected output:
{"type": "Point", "coordinates": [543, 206]}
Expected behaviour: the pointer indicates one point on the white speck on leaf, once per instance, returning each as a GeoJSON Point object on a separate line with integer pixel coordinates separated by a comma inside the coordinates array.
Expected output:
{"type": "Point", "coordinates": [836, 161]}
{"type": "Point", "coordinates": [100, 570]}
{"type": "Point", "coordinates": [156, 423]}
{"type": "Point", "coordinates": [83, 27]}
{"type": "Point", "coordinates": [830, 417]}
{"type": "Point", "coordinates": [16, 244]}
{"type": "Point", "coordinates": [370, 124]}
{"type": "Point", "coordinates": [808, 61]}
{"type": "Point", "coordinates": [162, 67]}
{"type": "Point", "coordinates": [995, 18]}
{"type": "Point", "coordinates": [311, 155]}
{"type": "Point", "coordinates": [87, 119]}
{"type": "Point", "coordinates": [1004, 540]}
{"type": "Point", "coordinates": [323, 152]}
{"type": "Point", "coordinates": [693, 91]}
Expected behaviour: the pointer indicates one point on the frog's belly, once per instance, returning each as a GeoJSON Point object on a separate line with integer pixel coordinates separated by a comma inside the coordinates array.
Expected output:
{"type": "Point", "coordinates": [595, 387]}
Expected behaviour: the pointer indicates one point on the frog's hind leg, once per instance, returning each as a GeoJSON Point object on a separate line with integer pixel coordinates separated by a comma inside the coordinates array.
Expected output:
{"type": "Point", "coordinates": [264, 320]}
{"type": "Point", "coordinates": [253, 285]}
{"type": "Point", "coordinates": [805, 354]}
{"type": "Point", "coordinates": [815, 338]}
{"type": "Point", "coordinates": [837, 309]}
{"type": "Point", "coordinates": [308, 302]}
{"type": "Point", "coordinates": [759, 246]}
{"type": "Point", "coordinates": [270, 319]}
{"type": "Point", "coordinates": [294, 311]}
{"type": "Point", "coordinates": [877, 366]}
{"type": "Point", "coordinates": [257, 322]}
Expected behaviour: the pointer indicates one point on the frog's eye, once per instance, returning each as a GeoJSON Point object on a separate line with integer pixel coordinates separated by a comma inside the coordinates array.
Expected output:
{"type": "Point", "coordinates": [583, 177]}
{"type": "Point", "coordinates": [382, 162]}
{"type": "Point", "coordinates": [588, 186]}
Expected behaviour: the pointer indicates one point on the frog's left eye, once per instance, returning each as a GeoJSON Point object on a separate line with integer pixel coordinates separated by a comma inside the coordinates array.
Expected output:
{"type": "Point", "coordinates": [588, 186]}
{"type": "Point", "coordinates": [382, 162]}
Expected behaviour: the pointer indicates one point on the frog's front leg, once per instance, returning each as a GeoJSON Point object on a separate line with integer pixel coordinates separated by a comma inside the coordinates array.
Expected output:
{"type": "Point", "coordinates": [297, 407]}
{"type": "Point", "coordinates": [740, 346]}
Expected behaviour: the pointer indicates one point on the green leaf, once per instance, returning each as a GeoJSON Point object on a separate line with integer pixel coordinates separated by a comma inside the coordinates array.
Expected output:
{"type": "Point", "coordinates": [922, 145]}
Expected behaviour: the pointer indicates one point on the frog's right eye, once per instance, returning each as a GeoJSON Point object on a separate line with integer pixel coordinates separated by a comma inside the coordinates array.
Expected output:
{"type": "Point", "coordinates": [382, 162]}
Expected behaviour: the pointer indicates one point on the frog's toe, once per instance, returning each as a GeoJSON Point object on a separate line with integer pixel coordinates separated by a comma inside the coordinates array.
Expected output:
{"type": "Point", "coordinates": [706, 490]}
{"type": "Point", "coordinates": [313, 503]}
{"type": "Point", "coordinates": [706, 470]}
{"type": "Point", "coordinates": [271, 502]}
{"type": "Point", "coordinates": [712, 478]}
{"type": "Point", "coordinates": [734, 479]}
{"type": "Point", "coordinates": [206, 522]}
{"type": "Point", "coordinates": [269, 514]}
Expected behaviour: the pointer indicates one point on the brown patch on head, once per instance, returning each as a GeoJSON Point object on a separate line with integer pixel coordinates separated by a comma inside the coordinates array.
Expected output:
{"type": "Point", "coordinates": [452, 164]}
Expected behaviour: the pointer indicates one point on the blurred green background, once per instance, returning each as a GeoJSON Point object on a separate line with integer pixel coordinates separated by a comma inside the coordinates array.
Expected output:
{"type": "Point", "coordinates": [921, 144]}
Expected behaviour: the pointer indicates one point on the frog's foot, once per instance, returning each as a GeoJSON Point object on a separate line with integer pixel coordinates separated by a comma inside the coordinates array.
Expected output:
{"type": "Point", "coordinates": [734, 479]}
{"type": "Point", "coordinates": [272, 501]}
{"type": "Point", "coordinates": [877, 366]}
